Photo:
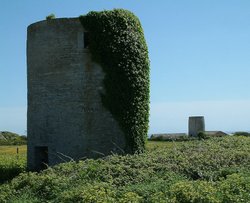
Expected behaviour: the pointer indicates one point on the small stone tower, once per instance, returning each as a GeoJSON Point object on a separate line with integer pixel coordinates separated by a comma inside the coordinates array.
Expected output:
{"type": "Point", "coordinates": [196, 124]}
{"type": "Point", "coordinates": [66, 117]}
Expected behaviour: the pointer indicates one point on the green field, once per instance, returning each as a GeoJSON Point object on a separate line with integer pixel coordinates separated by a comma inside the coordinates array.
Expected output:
{"type": "Point", "coordinates": [214, 170]}
{"type": "Point", "coordinates": [12, 163]}
{"type": "Point", "coordinates": [12, 150]}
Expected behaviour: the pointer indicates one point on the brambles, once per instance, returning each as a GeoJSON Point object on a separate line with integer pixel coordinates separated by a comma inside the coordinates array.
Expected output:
{"type": "Point", "coordinates": [11, 163]}
{"type": "Point", "coordinates": [213, 170]}
{"type": "Point", "coordinates": [202, 135]}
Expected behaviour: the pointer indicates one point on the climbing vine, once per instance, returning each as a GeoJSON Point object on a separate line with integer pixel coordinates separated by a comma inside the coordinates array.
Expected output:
{"type": "Point", "coordinates": [117, 43]}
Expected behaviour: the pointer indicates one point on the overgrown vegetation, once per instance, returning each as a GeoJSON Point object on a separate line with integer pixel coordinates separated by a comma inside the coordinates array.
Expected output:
{"type": "Point", "coordinates": [171, 138]}
{"type": "Point", "coordinates": [116, 42]}
{"type": "Point", "coordinates": [9, 138]}
{"type": "Point", "coordinates": [241, 133]}
{"type": "Point", "coordinates": [12, 161]}
{"type": "Point", "coordinates": [50, 17]}
{"type": "Point", "coordinates": [202, 135]}
{"type": "Point", "coordinates": [213, 170]}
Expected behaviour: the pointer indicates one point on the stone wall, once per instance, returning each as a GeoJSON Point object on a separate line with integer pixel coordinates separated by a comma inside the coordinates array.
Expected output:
{"type": "Point", "coordinates": [196, 124]}
{"type": "Point", "coordinates": [65, 111]}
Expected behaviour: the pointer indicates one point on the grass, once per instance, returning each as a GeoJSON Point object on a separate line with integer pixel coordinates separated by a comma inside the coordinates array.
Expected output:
{"type": "Point", "coordinates": [214, 170]}
{"type": "Point", "coordinates": [12, 150]}
{"type": "Point", "coordinates": [11, 163]}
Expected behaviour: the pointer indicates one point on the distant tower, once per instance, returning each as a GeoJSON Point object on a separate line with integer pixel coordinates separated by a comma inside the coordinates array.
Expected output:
{"type": "Point", "coordinates": [196, 124]}
{"type": "Point", "coordinates": [66, 118]}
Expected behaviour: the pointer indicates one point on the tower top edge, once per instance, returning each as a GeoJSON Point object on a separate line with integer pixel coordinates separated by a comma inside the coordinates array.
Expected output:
{"type": "Point", "coordinates": [196, 116]}
{"type": "Point", "coordinates": [52, 21]}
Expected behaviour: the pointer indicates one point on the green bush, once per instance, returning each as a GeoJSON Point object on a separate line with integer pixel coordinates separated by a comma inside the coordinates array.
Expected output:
{"type": "Point", "coordinates": [50, 17]}
{"type": "Point", "coordinates": [9, 138]}
{"type": "Point", "coordinates": [246, 134]}
{"type": "Point", "coordinates": [213, 170]}
{"type": "Point", "coordinates": [11, 166]}
{"type": "Point", "coordinates": [235, 188]}
{"type": "Point", "coordinates": [171, 138]}
{"type": "Point", "coordinates": [195, 192]}
{"type": "Point", "coordinates": [8, 172]}
{"type": "Point", "coordinates": [90, 192]}
{"type": "Point", "coordinates": [116, 42]}
{"type": "Point", "coordinates": [202, 135]}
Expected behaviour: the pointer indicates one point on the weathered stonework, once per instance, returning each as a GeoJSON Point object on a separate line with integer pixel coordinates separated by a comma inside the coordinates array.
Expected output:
{"type": "Point", "coordinates": [196, 124]}
{"type": "Point", "coordinates": [66, 117]}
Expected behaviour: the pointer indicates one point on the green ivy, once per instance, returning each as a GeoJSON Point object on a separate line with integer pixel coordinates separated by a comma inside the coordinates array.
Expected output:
{"type": "Point", "coordinates": [117, 43]}
{"type": "Point", "coordinates": [50, 17]}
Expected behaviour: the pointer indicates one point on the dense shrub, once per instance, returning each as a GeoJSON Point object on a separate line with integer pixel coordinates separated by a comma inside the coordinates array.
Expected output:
{"type": "Point", "coordinates": [116, 42]}
{"type": "Point", "coordinates": [171, 138]}
{"type": "Point", "coordinates": [235, 188]}
{"type": "Point", "coordinates": [9, 138]}
{"type": "Point", "coordinates": [11, 168]}
{"type": "Point", "coordinates": [214, 170]}
{"type": "Point", "coordinates": [50, 17]}
{"type": "Point", "coordinates": [11, 163]}
{"type": "Point", "coordinates": [242, 134]}
{"type": "Point", "coordinates": [202, 135]}
{"type": "Point", "coordinates": [198, 191]}
{"type": "Point", "coordinates": [20, 141]}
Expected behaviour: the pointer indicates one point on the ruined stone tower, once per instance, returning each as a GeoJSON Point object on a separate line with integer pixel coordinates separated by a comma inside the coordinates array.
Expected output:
{"type": "Point", "coordinates": [66, 117]}
{"type": "Point", "coordinates": [196, 124]}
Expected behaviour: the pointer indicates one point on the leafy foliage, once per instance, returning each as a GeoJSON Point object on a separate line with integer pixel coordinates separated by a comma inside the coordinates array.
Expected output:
{"type": "Point", "coordinates": [11, 163]}
{"type": "Point", "coordinates": [242, 134]}
{"type": "Point", "coordinates": [9, 138]}
{"type": "Point", "coordinates": [214, 170]}
{"type": "Point", "coordinates": [50, 17]}
{"type": "Point", "coordinates": [171, 138]}
{"type": "Point", "coordinates": [116, 42]}
{"type": "Point", "coordinates": [202, 135]}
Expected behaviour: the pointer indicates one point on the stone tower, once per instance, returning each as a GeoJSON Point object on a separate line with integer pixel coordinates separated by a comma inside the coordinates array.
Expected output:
{"type": "Point", "coordinates": [196, 124]}
{"type": "Point", "coordinates": [66, 117]}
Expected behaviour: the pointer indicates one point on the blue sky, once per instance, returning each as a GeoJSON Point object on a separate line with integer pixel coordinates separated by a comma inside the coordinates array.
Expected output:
{"type": "Point", "coordinates": [199, 53]}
